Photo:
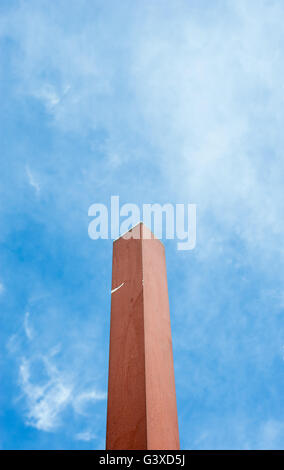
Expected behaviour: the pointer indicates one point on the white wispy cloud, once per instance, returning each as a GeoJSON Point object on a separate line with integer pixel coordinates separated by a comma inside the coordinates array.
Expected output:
{"type": "Point", "coordinates": [48, 94]}
{"type": "Point", "coordinates": [81, 401]}
{"type": "Point", "coordinates": [47, 400]}
{"type": "Point", "coordinates": [48, 390]}
{"type": "Point", "coordinates": [27, 326]}
{"type": "Point", "coordinates": [32, 180]}
{"type": "Point", "coordinates": [44, 402]}
{"type": "Point", "coordinates": [85, 436]}
{"type": "Point", "coordinates": [198, 100]}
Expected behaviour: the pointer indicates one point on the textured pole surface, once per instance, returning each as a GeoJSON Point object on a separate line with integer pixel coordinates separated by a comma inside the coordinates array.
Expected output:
{"type": "Point", "coordinates": [142, 411]}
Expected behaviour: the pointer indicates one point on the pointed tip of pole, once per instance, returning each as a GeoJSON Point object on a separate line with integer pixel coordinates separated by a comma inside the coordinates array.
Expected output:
{"type": "Point", "coordinates": [138, 231]}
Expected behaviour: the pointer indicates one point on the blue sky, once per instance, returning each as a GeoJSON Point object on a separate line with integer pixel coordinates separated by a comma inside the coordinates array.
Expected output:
{"type": "Point", "coordinates": [165, 101]}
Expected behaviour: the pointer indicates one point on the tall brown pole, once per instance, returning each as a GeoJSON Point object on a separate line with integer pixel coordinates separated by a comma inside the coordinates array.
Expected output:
{"type": "Point", "coordinates": [142, 412]}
